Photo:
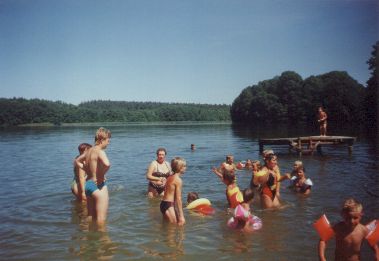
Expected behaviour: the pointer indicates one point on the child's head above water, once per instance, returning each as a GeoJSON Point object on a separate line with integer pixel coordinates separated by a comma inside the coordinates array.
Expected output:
{"type": "Point", "coordinates": [83, 147]}
{"type": "Point", "coordinates": [178, 164]}
{"type": "Point", "coordinates": [228, 176]}
{"type": "Point", "coordinates": [192, 196]}
{"type": "Point", "coordinates": [248, 195]}
{"type": "Point", "coordinates": [297, 164]}
{"type": "Point", "coordinates": [351, 205]}
{"type": "Point", "coordinates": [351, 212]}
{"type": "Point", "coordinates": [300, 172]}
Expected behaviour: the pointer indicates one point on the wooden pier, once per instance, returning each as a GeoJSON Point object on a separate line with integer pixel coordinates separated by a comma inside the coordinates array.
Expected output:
{"type": "Point", "coordinates": [310, 144]}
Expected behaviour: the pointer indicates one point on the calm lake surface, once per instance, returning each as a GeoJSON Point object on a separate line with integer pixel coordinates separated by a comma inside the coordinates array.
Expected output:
{"type": "Point", "coordinates": [40, 220]}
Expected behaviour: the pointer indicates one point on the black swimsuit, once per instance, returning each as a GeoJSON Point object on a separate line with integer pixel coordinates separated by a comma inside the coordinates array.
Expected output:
{"type": "Point", "coordinates": [160, 188]}
{"type": "Point", "coordinates": [166, 205]}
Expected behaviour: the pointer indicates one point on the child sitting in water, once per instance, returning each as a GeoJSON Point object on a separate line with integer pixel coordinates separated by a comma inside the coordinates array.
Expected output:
{"type": "Point", "coordinates": [233, 193]}
{"type": "Point", "coordinates": [296, 165]}
{"type": "Point", "coordinates": [349, 233]}
{"type": "Point", "coordinates": [172, 197]}
{"type": "Point", "coordinates": [192, 196]}
{"type": "Point", "coordinates": [200, 205]}
{"type": "Point", "coordinates": [300, 183]}
{"type": "Point", "coordinates": [243, 219]}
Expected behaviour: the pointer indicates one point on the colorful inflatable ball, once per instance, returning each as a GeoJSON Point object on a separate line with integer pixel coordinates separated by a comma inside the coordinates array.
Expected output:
{"type": "Point", "coordinates": [373, 234]}
{"type": "Point", "coordinates": [323, 228]}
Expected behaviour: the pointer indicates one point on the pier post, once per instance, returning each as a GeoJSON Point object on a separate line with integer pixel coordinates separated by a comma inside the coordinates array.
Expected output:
{"type": "Point", "coordinates": [299, 146]}
{"type": "Point", "coordinates": [350, 148]}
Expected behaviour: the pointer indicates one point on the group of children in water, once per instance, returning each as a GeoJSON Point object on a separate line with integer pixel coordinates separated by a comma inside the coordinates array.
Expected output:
{"type": "Point", "coordinates": [165, 180]}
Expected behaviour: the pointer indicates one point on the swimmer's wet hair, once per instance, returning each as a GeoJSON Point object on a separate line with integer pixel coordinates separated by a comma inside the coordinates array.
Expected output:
{"type": "Point", "coordinates": [351, 205]}
{"type": "Point", "coordinates": [228, 175]}
{"type": "Point", "coordinates": [177, 164]}
{"type": "Point", "coordinates": [83, 146]}
{"type": "Point", "coordinates": [192, 196]}
{"type": "Point", "coordinates": [102, 134]}
{"type": "Point", "coordinates": [248, 194]}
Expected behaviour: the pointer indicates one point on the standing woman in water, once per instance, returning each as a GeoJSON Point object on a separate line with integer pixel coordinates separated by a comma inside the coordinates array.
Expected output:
{"type": "Point", "coordinates": [157, 173]}
{"type": "Point", "coordinates": [269, 178]}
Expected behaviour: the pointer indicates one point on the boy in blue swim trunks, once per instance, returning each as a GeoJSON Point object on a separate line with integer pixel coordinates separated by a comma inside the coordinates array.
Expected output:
{"type": "Point", "coordinates": [96, 164]}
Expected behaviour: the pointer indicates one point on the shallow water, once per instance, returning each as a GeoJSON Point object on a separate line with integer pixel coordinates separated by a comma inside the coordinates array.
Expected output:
{"type": "Point", "coordinates": [41, 221]}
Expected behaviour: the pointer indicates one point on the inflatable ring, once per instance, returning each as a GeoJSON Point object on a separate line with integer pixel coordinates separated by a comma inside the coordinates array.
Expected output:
{"type": "Point", "coordinates": [204, 209]}
{"type": "Point", "coordinates": [241, 213]}
{"type": "Point", "coordinates": [201, 205]}
{"type": "Point", "coordinates": [373, 235]}
{"type": "Point", "coordinates": [198, 202]}
{"type": "Point", "coordinates": [323, 228]}
{"type": "Point", "coordinates": [254, 221]}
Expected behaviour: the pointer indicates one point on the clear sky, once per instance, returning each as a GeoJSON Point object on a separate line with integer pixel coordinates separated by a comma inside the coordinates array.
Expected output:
{"type": "Point", "coordinates": [194, 51]}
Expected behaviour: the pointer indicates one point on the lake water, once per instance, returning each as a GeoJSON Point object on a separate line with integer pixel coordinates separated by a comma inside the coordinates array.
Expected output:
{"type": "Point", "coordinates": [40, 220]}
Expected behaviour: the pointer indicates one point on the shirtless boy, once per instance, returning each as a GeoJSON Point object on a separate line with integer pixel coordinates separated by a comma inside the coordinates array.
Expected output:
{"type": "Point", "coordinates": [228, 164]}
{"type": "Point", "coordinates": [96, 164]}
{"type": "Point", "coordinates": [173, 193]}
{"type": "Point", "coordinates": [350, 234]}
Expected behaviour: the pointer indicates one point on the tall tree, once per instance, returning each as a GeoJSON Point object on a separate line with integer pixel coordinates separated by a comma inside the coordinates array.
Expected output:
{"type": "Point", "coordinates": [372, 91]}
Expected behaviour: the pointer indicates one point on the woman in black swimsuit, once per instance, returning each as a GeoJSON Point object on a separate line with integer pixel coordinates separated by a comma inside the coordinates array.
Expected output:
{"type": "Point", "coordinates": [157, 173]}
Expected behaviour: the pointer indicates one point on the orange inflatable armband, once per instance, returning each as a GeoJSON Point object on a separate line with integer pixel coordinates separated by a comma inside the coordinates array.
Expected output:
{"type": "Point", "coordinates": [323, 228]}
{"type": "Point", "coordinates": [373, 235]}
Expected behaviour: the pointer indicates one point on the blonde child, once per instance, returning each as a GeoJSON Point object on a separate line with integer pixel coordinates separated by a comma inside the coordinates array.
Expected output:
{"type": "Point", "coordinates": [349, 233]}
{"type": "Point", "coordinates": [173, 193]}
{"type": "Point", "coordinates": [228, 164]}
{"type": "Point", "coordinates": [300, 183]}
{"type": "Point", "coordinates": [296, 165]}
{"type": "Point", "coordinates": [96, 164]}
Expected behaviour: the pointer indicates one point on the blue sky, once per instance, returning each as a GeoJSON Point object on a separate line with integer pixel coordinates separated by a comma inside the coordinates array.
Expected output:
{"type": "Point", "coordinates": [176, 51]}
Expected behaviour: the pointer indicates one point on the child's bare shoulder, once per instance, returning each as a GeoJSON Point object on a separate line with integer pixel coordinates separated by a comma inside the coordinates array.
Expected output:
{"type": "Point", "coordinates": [362, 228]}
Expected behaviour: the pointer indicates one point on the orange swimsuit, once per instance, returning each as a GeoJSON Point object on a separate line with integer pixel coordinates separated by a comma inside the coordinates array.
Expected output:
{"type": "Point", "coordinates": [269, 188]}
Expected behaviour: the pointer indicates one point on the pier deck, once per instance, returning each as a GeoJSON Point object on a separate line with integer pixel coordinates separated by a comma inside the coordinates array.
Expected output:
{"type": "Point", "coordinates": [309, 144]}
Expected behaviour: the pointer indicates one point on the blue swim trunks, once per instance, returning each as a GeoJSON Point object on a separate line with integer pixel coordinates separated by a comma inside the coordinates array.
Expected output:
{"type": "Point", "coordinates": [92, 187]}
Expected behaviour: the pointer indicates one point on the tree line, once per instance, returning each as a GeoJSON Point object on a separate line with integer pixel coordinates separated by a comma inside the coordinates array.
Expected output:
{"type": "Point", "coordinates": [286, 98]}
{"type": "Point", "coordinates": [289, 98]}
{"type": "Point", "coordinates": [18, 111]}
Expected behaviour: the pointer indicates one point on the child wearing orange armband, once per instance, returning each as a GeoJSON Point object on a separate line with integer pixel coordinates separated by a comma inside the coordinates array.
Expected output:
{"type": "Point", "coordinates": [349, 233]}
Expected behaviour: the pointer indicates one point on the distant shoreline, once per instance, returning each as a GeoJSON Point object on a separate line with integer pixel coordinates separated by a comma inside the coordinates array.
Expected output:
{"type": "Point", "coordinates": [96, 124]}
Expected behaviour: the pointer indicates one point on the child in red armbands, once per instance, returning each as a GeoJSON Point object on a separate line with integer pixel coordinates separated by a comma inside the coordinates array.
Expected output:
{"type": "Point", "coordinates": [349, 233]}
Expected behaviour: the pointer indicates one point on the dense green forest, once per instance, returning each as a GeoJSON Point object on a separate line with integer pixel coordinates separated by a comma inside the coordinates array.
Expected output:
{"type": "Point", "coordinates": [19, 111]}
{"type": "Point", "coordinates": [286, 98]}
{"type": "Point", "coordinates": [291, 99]}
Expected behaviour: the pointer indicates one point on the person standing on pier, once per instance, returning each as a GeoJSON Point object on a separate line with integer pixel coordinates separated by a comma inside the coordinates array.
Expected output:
{"type": "Point", "coordinates": [322, 117]}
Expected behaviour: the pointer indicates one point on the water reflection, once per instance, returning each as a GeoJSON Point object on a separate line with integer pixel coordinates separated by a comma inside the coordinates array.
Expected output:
{"type": "Point", "coordinates": [90, 241]}
{"type": "Point", "coordinates": [172, 237]}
